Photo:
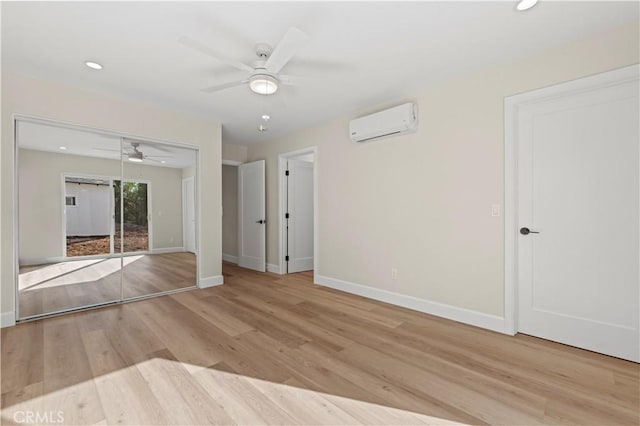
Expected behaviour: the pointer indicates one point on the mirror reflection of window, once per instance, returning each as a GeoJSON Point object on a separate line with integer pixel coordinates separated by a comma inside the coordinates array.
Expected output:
{"type": "Point", "coordinates": [101, 218]}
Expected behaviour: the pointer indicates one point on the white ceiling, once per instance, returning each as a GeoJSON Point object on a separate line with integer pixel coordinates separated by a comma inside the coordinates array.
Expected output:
{"type": "Point", "coordinates": [49, 138]}
{"type": "Point", "coordinates": [369, 52]}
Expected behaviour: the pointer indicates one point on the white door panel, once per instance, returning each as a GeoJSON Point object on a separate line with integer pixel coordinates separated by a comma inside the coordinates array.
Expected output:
{"type": "Point", "coordinates": [251, 216]}
{"type": "Point", "coordinates": [578, 185]}
{"type": "Point", "coordinates": [300, 223]}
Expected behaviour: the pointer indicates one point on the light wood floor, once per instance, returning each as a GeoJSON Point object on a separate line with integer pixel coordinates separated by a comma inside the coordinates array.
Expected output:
{"type": "Point", "coordinates": [274, 349]}
{"type": "Point", "coordinates": [73, 284]}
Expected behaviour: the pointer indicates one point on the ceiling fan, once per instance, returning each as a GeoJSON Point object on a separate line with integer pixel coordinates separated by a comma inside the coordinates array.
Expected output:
{"type": "Point", "coordinates": [136, 155]}
{"type": "Point", "coordinates": [263, 77]}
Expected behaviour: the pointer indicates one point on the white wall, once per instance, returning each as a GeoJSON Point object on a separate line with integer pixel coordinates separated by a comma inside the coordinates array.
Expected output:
{"type": "Point", "coordinates": [421, 203]}
{"type": "Point", "coordinates": [35, 97]}
{"type": "Point", "coordinates": [91, 215]}
{"type": "Point", "coordinates": [40, 199]}
{"type": "Point", "coordinates": [237, 153]}
{"type": "Point", "coordinates": [230, 211]}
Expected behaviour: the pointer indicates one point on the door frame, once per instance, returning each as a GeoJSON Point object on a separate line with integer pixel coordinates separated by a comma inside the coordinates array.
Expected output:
{"type": "Point", "coordinates": [281, 267]}
{"type": "Point", "coordinates": [512, 105]}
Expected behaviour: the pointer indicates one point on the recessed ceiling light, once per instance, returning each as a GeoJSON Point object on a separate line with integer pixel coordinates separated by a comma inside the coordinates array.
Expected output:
{"type": "Point", "coordinates": [93, 65]}
{"type": "Point", "coordinates": [526, 4]}
{"type": "Point", "coordinates": [266, 117]}
{"type": "Point", "coordinates": [62, 147]}
{"type": "Point", "coordinates": [162, 161]}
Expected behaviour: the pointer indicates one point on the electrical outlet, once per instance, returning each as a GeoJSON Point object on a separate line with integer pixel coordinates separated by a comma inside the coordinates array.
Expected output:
{"type": "Point", "coordinates": [495, 210]}
{"type": "Point", "coordinates": [394, 274]}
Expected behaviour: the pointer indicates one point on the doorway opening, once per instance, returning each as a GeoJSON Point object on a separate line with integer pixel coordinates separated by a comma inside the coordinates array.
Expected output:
{"type": "Point", "coordinates": [135, 213]}
{"type": "Point", "coordinates": [88, 222]}
{"type": "Point", "coordinates": [297, 239]}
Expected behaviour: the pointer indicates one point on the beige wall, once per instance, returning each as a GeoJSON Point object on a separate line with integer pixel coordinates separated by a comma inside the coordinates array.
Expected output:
{"type": "Point", "coordinates": [230, 210]}
{"type": "Point", "coordinates": [421, 202]}
{"type": "Point", "coordinates": [236, 153]}
{"type": "Point", "coordinates": [40, 199]}
{"type": "Point", "coordinates": [34, 97]}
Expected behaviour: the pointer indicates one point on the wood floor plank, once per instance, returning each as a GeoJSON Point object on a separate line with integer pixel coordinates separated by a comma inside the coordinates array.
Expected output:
{"type": "Point", "coordinates": [68, 380]}
{"type": "Point", "coordinates": [243, 402]}
{"type": "Point", "coordinates": [124, 393]}
{"type": "Point", "coordinates": [227, 323]}
{"type": "Point", "coordinates": [183, 399]}
{"type": "Point", "coordinates": [277, 349]}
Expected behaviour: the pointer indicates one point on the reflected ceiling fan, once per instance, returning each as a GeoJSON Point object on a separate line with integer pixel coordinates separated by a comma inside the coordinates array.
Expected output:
{"type": "Point", "coordinates": [263, 75]}
{"type": "Point", "coordinates": [136, 155]}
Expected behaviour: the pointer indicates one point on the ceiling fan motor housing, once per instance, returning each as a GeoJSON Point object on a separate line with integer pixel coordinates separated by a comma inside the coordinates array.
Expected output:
{"type": "Point", "coordinates": [263, 50]}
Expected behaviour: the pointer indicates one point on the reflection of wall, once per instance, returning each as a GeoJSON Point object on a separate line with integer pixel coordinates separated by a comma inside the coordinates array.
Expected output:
{"type": "Point", "coordinates": [230, 210]}
{"type": "Point", "coordinates": [91, 213]}
{"type": "Point", "coordinates": [40, 199]}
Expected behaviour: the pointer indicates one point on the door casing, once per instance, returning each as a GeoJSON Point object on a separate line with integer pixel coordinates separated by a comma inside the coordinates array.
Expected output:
{"type": "Point", "coordinates": [281, 268]}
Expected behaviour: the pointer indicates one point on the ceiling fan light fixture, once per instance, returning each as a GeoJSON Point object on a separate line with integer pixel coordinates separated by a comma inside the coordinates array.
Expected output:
{"type": "Point", "coordinates": [263, 84]}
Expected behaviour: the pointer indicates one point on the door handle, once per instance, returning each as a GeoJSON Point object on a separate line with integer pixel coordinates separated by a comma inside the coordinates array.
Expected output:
{"type": "Point", "coordinates": [527, 231]}
{"type": "Point", "coordinates": [261, 221]}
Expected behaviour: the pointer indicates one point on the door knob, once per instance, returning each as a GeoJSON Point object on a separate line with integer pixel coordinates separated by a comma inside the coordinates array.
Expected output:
{"type": "Point", "coordinates": [527, 231]}
{"type": "Point", "coordinates": [261, 221]}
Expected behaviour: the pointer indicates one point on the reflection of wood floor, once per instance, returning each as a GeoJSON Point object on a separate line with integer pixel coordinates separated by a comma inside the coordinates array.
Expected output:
{"type": "Point", "coordinates": [79, 283]}
{"type": "Point", "coordinates": [271, 349]}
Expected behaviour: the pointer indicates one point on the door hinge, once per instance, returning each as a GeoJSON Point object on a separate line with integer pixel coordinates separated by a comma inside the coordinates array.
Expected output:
{"type": "Point", "coordinates": [286, 215]}
{"type": "Point", "coordinates": [286, 258]}
{"type": "Point", "coordinates": [286, 173]}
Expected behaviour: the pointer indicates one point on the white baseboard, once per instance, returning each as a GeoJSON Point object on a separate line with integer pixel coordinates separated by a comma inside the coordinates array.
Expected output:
{"type": "Point", "coordinates": [167, 250]}
{"type": "Point", "coordinates": [211, 281]}
{"type": "Point", "coordinates": [466, 316]}
{"type": "Point", "coordinates": [273, 268]}
{"type": "Point", "coordinates": [40, 260]}
{"type": "Point", "coordinates": [230, 258]}
{"type": "Point", "coordinates": [7, 319]}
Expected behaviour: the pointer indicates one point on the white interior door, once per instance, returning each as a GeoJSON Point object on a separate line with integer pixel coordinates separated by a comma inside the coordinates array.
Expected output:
{"type": "Point", "coordinates": [189, 214]}
{"type": "Point", "coordinates": [300, 216]}
{"type": "Point", "coordinates": [578, 190]}
{"type": "Point", "coordinates": [251, 216]}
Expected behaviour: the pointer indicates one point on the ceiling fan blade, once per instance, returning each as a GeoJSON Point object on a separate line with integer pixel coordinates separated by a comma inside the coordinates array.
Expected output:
{"type": "Point", "coordinates": [151, 159]}
{"type": "Point", "coordinates": [293, 40]}
{"type": "Point", "coordinates": [133, 143]}
{"type": "Point", "coordinates": [196, 45]}
{"type": "Point", "coordinates": [158, 156]}
{"type": "Point", "coordinates": [223, 86]}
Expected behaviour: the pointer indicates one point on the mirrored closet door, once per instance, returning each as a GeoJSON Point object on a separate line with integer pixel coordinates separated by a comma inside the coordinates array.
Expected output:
{"type": "Point", "coordinates": [101, 218]}
{"type": "Point", "coordinates": [159, 212]}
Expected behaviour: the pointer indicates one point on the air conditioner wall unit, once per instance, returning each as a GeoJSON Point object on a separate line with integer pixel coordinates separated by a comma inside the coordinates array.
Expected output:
{"type": "Point", "coordinates": [390, 122]}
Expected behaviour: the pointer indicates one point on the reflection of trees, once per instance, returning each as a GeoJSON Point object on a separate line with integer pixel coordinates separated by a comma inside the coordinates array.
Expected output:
{"type": "Point", "coordinates": [135, 202]}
